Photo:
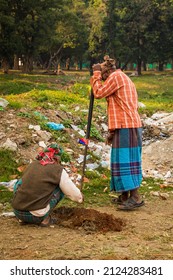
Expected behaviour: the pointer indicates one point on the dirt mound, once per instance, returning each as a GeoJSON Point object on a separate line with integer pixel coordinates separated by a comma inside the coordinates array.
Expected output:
{"type": "Point", "coordinates": [89, 220]}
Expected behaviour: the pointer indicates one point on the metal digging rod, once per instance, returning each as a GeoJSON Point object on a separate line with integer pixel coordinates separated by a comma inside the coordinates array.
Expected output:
{"type": "Point", "coordinates": [87, 135]}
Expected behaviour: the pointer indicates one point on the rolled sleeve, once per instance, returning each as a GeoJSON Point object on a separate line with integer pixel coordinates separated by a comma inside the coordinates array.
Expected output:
{"type": "Point", "coordinates": [69, 188]}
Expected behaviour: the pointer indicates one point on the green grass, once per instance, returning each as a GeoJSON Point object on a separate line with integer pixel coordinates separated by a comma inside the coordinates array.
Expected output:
{"type": "Point", "coordinates": [96, 191]}
{"type": "Point", "coordinates": [8, 167]}
{"type": "Point", "coordinates": [155, 91]}
{"type": "Point", "coordinates": [20, 83]}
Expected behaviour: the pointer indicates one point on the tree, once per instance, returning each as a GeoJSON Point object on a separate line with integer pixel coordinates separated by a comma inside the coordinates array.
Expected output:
{"type": "Point", "coordinates": [71, 34]}
{"type": "Point", "coordinates": [35, 23]}
{"type": "Point", "coordinates": [160, 32]}
{"type": "Point", "coordinates": [110, 28]}
{"type": "Point", "coordinates": [96, 13]}
{"type": "Point", "coordinates": [135, 16]}
{"type": "Point", "coordinates": [7, 34]}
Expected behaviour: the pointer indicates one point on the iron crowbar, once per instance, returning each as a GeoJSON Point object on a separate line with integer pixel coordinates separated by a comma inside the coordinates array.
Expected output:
{"type": "Point", "coordinates": [87, 135]}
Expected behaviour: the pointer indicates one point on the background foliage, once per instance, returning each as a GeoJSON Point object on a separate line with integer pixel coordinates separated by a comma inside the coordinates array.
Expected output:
{"type": "Point", "coordinates": [48, 33]}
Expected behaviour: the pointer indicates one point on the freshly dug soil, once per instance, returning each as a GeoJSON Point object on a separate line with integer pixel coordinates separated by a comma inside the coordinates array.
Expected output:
{"type": "Point", "coordinates": [147, 235]}
{"type": "Point", "coordinates": [89, 220]}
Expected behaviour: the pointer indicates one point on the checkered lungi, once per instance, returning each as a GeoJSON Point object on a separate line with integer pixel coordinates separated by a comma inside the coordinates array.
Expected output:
{"type": "Point", "coordinates": [126, 170]}
{"type": "Point", "coordinates": [27, 217]}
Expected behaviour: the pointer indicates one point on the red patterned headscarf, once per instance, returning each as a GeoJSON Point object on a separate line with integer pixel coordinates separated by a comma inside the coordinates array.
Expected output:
{"type": "Point", "coordinates": [50, 155]}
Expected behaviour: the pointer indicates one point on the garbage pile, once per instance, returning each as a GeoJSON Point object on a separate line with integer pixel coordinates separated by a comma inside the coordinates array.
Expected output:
{"type": "Point", "coordinates": [19, 134]}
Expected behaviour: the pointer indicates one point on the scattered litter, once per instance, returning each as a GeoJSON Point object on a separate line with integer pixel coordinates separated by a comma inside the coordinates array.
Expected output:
{"type": "Point", "coordinates": [81, 158]}
{"type": "Point", "coordinates": [141, 105]}
{"type": "Point", "coordinates": [42, 144]}
{"type": "Point", "coordinates": [92, 166]}
{"type": "Point", "coordinates": [35, 127]}
{"type": "Point", "coordinates": [83, 141]}
{"type": "Point", "coordinates": [21, 168]}
{"type": "Point", "coordinates": [80, 131]}
{"type": "Point", "coordinates": [3, 102]}
{"type": "Point", "coordinates": [9, 184]}
{"type": "Point", "coordinates": [168, 174]}
{"type": "Point", "coordinates": [7, 214]}
{"type": "Point", "coordinates": [154, 193]}
{"type": "Point", "coordinates": [55, 126]}
{"type": "Point", "coordinates": [40, 116]}
{"type": "Point", "coordinates": [12, 146]}
{"type": "Point", "coordinates": [77, 108]}
{"type": "Point", "coordinates": [164, 196]}
{"type": "Point", "coordinates": [104, 126]}
{"type": "Point", "coordinates": [104, 164]}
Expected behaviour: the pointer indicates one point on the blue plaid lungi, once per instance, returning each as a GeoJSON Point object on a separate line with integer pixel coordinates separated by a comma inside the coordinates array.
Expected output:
{"type": "Point", "coordinates": [126, 165]}
{"type": "Point", "coordinates": [27, 217]}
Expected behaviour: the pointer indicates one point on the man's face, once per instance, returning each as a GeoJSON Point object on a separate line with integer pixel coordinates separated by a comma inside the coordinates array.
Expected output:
{"type": "Point", "coordinates": [105, 75]}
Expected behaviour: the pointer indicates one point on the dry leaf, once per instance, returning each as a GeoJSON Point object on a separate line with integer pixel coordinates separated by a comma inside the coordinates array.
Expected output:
{"type": "Point", "coordinates": [162, 186]}
{"type": "Point", "coordinates": [164, 196]}
{"type": "Point", "coordinates": [86, 180]}
{"type": "Point", "coordinates": [73, 169]}
{"type": "Point", "coordinates": [104, 176]}
{"type": "Point", "coordinates": [15, 176]}
{"type": "Point", "coordinates": [21, 168]}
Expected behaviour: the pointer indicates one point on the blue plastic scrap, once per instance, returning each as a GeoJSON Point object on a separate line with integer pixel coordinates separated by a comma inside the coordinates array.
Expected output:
{"type": "Point", "coordinates": [55, 126]}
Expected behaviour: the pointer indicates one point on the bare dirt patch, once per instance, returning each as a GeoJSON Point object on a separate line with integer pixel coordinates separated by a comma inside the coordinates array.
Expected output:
{"type": "Point", "coordinates": [148, 234]}
{"type": "Point", "coordinates": [89, 220]}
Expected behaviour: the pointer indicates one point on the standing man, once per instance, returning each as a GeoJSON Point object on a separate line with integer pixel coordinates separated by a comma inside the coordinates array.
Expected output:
{"type": "Point", "coordinates": [125, 131]}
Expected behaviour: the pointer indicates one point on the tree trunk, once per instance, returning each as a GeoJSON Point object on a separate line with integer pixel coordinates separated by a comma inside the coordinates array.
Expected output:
{"type": "Point", "coordinates": [161, 64]}
{"type": "Point", "coordinates": [80, 64]}
{"type": "Point", "coordinates": [130, 66]}
{"type": "Point", "coordinates": [139, 64]}
{"type": "Point", "coordinates": [16, 62]}
{"type": "Point", "coordinates": [76, 65]}
{"type": "Point", "coordinates": [5, 65]}
{"type": "Point", "coordinates": [67, 64]}
{"type": "Point", "coordinates": [144, 66]}
{"type": "Point", "coordinates": [52, 57]}
{"type": "Point", "coordinates": [27, 64]}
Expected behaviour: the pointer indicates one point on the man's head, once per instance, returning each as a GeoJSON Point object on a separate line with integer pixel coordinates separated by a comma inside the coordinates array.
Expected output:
{"type": "Point", "coordinates": [107, 67]}
{"type": "Point", "coordinates": [50, 155]}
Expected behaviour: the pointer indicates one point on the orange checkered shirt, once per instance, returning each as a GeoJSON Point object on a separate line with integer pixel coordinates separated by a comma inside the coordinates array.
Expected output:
{"type": "Point", "coordinates": [122, 99]}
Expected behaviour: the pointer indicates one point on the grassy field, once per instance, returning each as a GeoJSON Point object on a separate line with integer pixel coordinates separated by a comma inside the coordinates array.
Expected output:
{"type": "Point", "coordinates": [155, 90]}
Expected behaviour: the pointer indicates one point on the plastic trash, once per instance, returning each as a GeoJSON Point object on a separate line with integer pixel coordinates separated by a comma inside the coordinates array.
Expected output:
{"type": "Point", "coordinates": [9, 184]}
{"type": "Point", "coordinates": [40, 116]}
{"type": "Point", "coordinates": [8, 214]}
{"type": "Point", "coordinates": [81, 158]}
{"type": "Point", "coordinates": [55, 126]}
{"type": "Point", "coordinates": [42, 144]}
{"type": "Point", "coordinates": [92, 166]}
{"type": "Point", "coordinates": [3, 102]}
{"type": "Point", "coordinates": [35, 127]}
{"type": "Point", "coordinates": [83, 141]}
{"type": "Point", "coordinates": [80, 131]}
{"type": "Point", "coordinates": [104, 164]}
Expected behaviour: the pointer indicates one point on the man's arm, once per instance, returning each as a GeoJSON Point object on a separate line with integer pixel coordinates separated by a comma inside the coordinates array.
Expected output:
{"type": "Point", "coordinates": [69, 188]}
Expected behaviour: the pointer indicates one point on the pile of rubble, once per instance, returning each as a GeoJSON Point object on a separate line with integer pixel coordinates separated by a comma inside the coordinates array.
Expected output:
{"type": "Point", "coordinates": [158, 146]}
{"type": "Point", "coordinates": [18, 134]}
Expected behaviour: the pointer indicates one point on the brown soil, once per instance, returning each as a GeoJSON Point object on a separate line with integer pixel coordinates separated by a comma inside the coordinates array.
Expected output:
{"type": "Point", "coordinates": [89, 220]}
{"type": "Point", "coordinates": [102, 233]}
